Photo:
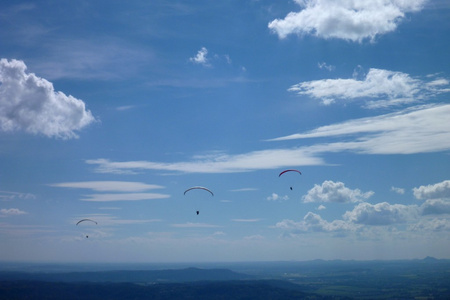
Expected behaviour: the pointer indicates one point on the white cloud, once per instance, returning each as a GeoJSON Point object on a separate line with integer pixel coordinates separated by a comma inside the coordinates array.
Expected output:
{"type": "Point", "coordinates": [435, 207]}
{"type": "Point", "coordinates": [97, 59]}
{"type": "Point", "coordinates": [433, 191]}
{"type": "Point", "coordinates": [194, 225]}
{"type": "Point", "coordinates": [12, 211]}
{"type": "Point", "coordinates": [108, 220]}
{"type": "Point", "coordinates": [276, 197]}
{"type": "Point", "coordinates": [112, 186]}
{"type": "Point", "coordinates": [414, 130]}
{"type": "Point", "coordinates": [219, 163]}
{"type": "Point", "coordinates": [244, 190]}
{"type": "Point", "coordinates": [127, 190]}
{"type": "Point", "coordinates": [201, 57]}
{"type": "Point", "coordinates": [331, 191]}
{"type": "Point", "coordinates": [30, 103]}
{"type": "Point", "coordinates": [348, 20]}
{"type": "Point", "coordinates": [123, 197]}
{"type": "Point", "coordinates": [7, 195]}
{"type": "Point", "coordinates": [321, 207]}
{"type": "Point", "coordinates": [323, 65]}
{"type": "Point", "coordinates": [314, 223]}
{"type": "Point", "coordinates": [381, 213]}
{"type": "Point", "coordinates": [435, 224]}
{"type": "Point", "coordinates": [398, 190]}
{"type": "Point", "coordinates": [256, 237]}
{"type": "Point", "coordinates": [384, 87]}
{"type": "Point", "coordinates": [246, 220]}
{"type": "Point", "coordinates": [417, 129]}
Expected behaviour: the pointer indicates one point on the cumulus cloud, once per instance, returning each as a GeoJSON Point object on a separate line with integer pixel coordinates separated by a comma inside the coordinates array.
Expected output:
{"type": "Point", "coordinates": [435, 224]}
{"type": "Point", "coordinates": [314, 223]}
{"type": "Point", "coordinates": [381, 213]}
{"type": "Point", "coordinates": [30, 103]}
{"type": "Point", "coordinates": [398, 190]}
{"type": "Point", "coordinates": [331, 191]}
{"type": "Point", "coordinates": [435, 207]}
{"type": "Point", "coordinates": [417, 129]}
{"type": "Point", "coordinates": [201, 57]}
{"type": "Point", "coordinates": [342, 19]}
{"type": "Point", "coordinates": [276, 197]}
{"type": "Point", "coordinates": [433, 191]}
{"type": "Point", "coordinates": [379, 88]}
{"type": "Point", "coordinates": [12, 212]}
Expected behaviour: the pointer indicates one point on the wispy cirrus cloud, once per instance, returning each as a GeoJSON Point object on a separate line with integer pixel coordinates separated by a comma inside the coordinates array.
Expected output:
{"type": "Point", "coordinates": [110, 220]}
{"type": "Point", "coordinates": [218, 163]}
{"type": "Point", "coordinates": [246, 220]}
{"type": "Point", "coordinates": [12, 212]}
{"type": "Point", "coordinates": [195, 225]}
{"type": "Point", "coordinates": [118, 190]}
{"type": "Point", "coordinates": [349, 20]}
{"type": "Point", "coordinates": [123, 197]}
{"type": "Point", "coordinates": [379, 88]}
{"type": "Point", "coordinates": [417, 129]}
{"type": "Point", "coordinates": [116, 186]}
{"type": "Point", "coordinates": [8, 195]}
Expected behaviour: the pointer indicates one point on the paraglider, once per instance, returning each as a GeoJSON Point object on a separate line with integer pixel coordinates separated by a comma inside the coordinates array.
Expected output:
{"type": "Point", "coordinates": [86, 220]}
{"type": "Point", "coordinates": [198, 188]}
{"type": "Point", "coordinates": [290, 170]}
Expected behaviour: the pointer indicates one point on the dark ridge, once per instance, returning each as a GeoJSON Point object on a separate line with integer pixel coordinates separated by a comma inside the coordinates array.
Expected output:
{"type": "Point", "coordinates": [182, 275]}
{"type": "Point", "coordinates": [199, 290]}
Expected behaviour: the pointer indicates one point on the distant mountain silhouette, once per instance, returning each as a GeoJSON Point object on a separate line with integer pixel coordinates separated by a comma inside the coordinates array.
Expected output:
{"type": "Point", "coordinates": [430, 259]}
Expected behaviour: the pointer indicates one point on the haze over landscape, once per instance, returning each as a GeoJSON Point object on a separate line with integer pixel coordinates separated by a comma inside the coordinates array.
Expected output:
{"type": "Point", "coordinates": [110, 110]}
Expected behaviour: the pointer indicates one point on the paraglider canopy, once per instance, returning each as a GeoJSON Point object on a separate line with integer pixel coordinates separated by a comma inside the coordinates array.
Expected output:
{"type": "Point", "coordinates": [290, 170]}
{"type": "Point", "coordinates": [86, 220]}
{"type": "Point", "coordinates": [198, 188]}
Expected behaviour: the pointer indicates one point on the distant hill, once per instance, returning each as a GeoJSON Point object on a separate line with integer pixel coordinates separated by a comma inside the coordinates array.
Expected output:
{"type": "Point", "coordinates": [181, 275]}
{"type": "Point", "coordinates": [214, 290]}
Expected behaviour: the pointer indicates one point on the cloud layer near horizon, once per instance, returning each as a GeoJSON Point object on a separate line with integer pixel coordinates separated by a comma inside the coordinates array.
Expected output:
{"type": "Point", "coordinates": [429, 216]}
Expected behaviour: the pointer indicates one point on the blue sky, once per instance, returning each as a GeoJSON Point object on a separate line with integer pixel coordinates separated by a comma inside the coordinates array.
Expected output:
{"type": "Point", "coordinates": [110, 110]}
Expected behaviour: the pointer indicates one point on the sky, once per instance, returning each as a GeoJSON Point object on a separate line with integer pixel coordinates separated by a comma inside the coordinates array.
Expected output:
{"type": "Point", "coordinates": [111, 110]}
